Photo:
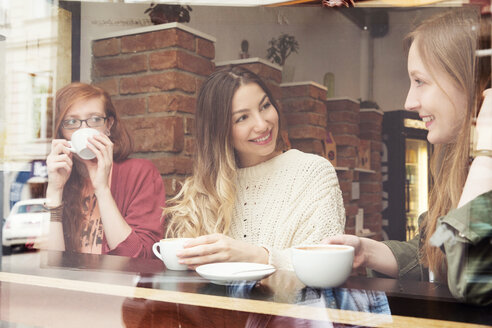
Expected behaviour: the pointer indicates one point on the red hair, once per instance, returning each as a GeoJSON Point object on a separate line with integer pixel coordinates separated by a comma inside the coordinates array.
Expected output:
{"type": "Point", "coordinates": [66, 97]}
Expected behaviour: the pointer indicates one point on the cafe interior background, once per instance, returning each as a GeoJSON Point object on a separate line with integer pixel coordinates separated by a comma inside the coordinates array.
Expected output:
{"type": "Point", "coordinates": [342, 91]}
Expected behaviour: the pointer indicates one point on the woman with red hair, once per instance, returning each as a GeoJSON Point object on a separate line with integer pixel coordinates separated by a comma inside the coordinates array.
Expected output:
{"type": "Point", "coordinates": [107, 205]}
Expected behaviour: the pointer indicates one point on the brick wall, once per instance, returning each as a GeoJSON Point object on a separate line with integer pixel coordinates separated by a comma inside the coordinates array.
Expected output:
{"type": "Point", "coordinates": [153, 76]}
{"type": "Point", "coordinates": [305, 115]}
{"type": "Point", "coordinates": [343, 123]}
{"type": "Point", "coordinates": [349, 124]}
{"type": "Point", "coordinates": [371, 185]}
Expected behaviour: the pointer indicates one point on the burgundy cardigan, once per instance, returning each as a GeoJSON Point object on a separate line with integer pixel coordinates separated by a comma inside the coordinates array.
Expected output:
{"type": "Point", "coordinates": [138, 190]}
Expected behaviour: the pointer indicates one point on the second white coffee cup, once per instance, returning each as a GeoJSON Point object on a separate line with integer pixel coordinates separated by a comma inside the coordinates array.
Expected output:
{"type": "Point", "coordinates": [322, 266]}
{"type": "Point", "coordinates": [166, 249]}
{"type": "Point", "coordinates": [78, 144]}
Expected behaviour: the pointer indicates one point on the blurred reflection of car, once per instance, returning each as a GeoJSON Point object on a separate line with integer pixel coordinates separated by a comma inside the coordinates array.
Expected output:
{"type": "Point", "coordinates": [27, 222]}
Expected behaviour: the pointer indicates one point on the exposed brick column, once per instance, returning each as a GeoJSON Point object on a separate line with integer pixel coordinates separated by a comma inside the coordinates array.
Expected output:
{"type": "Point", "coordinates": [371, 185]}
{"type": "Point", "coordinates": [343, 123]}
{"type": "Point", "coordinates": [305, 113]}
{"type": "Point", "coordinates": [153, 75]}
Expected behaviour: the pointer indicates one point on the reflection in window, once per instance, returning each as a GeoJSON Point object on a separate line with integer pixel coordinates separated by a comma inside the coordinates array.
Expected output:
{"type": "Point", "coordinates": [41, 88]}
{"type": "Point", "coordinates": [36, 208]}
{"type": "Point", "coordinates": [36, 36]}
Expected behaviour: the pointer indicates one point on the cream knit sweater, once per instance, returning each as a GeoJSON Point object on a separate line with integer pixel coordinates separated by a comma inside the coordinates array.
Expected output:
{"type": "Point", "coordinates": [291, 199]}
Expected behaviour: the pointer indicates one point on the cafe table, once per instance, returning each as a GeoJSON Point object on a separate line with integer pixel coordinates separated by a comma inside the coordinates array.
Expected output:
{"type": "Point", "coordinates": [63, 289]}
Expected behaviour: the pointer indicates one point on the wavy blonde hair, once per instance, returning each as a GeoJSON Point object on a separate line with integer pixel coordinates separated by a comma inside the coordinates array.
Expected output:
{"type": "Point", "coordinates": [447, 44]}
{"type": "Point", "coordinates": [205, 203]}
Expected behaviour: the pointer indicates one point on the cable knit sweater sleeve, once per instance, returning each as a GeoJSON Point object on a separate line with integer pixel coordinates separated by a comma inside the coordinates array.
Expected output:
{"type": "Point", "coordinates": [289, 200]}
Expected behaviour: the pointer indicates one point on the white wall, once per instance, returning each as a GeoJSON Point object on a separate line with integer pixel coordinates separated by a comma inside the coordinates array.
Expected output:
{"type": "Point", "coordinates": [329, 42]}
{"type": "Point", "coordinates": [391, 82]}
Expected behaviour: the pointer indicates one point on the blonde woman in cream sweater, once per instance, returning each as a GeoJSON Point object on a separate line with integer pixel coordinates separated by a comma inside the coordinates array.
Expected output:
{"type": "Point", "coordinates": [248, 201]}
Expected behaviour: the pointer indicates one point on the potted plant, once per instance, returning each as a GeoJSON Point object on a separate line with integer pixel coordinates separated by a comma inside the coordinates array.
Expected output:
{"type": "Point", "coordinates": [161, 13]}
{"type": "Point", "coordinates": [281, 48]}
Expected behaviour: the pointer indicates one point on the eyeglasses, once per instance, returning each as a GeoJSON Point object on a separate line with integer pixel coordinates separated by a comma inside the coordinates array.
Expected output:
{"type": "Point", "coordinates": [92, 122]}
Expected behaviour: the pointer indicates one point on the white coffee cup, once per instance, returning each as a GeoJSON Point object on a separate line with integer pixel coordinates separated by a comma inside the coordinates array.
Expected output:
{"type": "Point", "coordinates": [78, 144]}
{"type": "Point", "coordinates": [167, 252]}
{"type": "Point", "coordinates": [322, 266]}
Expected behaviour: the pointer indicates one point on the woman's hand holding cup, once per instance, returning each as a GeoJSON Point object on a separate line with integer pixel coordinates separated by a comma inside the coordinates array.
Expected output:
{"type": "Point", "coordinates": [99, 170]}
{"type": "Point", "coordinates": [350, 240]}
{"type": "Point", "coordinates": [59, 163]}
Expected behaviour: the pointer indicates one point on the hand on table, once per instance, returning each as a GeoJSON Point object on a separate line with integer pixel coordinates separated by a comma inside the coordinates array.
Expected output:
{"type": "Point", "coordinates": [220, 248]}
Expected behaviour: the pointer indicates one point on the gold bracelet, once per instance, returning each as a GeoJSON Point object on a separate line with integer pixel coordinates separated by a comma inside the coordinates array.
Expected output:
{"type": "Point", "coordinates": [482, 152]}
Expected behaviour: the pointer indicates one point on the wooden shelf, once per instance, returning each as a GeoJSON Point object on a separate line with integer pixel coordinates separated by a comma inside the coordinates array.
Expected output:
{"type": "Point", "coordinates": [341, 168]}
{"type": "Point", "coordinates": [364, 170]}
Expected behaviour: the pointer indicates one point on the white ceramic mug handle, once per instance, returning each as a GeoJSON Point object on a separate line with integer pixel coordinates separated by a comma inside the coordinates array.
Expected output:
{"type": "Point", "coordinates": [71, 147]}
{"type": "Point", "coordinates": [154, 249]}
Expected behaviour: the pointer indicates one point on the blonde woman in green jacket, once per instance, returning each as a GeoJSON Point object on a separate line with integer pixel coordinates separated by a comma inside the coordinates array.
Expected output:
{"type": "Point", "coordinates": [454, 243]}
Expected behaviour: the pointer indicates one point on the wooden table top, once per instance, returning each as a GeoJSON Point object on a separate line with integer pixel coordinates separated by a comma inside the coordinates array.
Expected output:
{"type": "Point", "coordinates": [48, 288]}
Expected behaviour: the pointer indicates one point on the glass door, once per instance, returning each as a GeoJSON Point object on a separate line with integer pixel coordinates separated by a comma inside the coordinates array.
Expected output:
{"type": "Point", "coordinates": [416, 187]}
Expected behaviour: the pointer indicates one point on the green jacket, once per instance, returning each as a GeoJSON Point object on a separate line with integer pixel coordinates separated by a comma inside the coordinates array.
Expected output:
{"type": "Point", "coordinates": [468, 251]}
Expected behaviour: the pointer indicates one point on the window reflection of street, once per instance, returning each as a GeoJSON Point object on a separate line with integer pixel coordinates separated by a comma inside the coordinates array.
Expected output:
{"type": "Point", "coordinates": [26, 226]}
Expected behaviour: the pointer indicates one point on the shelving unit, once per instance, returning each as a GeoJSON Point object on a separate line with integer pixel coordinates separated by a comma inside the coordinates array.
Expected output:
{"type": "Point", "coordinates": [364, 170]}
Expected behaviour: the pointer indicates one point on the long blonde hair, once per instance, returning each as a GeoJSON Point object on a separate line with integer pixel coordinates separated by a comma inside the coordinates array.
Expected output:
{"type": "Point", "coordinates": [447, 44]}
{"type": "Point", "coordinates": [206, 201]}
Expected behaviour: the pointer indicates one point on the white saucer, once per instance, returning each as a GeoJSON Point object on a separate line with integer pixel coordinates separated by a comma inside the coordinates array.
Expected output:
{"type": "Point", "coordinates": [227, 273]}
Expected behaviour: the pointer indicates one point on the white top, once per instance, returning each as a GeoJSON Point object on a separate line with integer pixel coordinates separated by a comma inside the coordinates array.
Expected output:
{"type": "Point", "coordinates": [291, 199]}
